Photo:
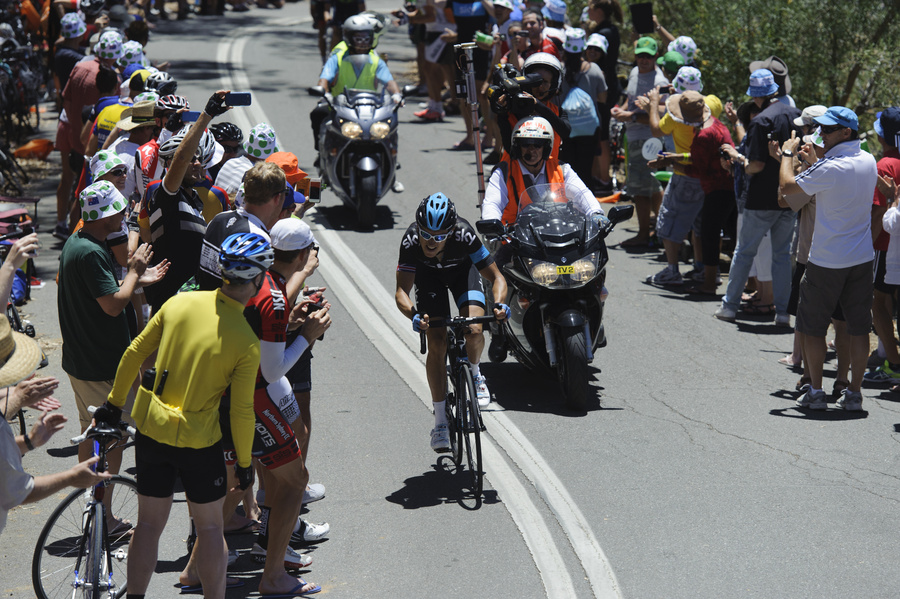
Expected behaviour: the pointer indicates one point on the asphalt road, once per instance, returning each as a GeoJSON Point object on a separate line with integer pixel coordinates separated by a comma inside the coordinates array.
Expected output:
{"type": "Point", "coordinates": [691, 476]}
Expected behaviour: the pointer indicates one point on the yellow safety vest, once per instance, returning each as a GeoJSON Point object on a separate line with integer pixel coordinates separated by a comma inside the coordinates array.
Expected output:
{"type": "Point", "coordinates": [347, 75]}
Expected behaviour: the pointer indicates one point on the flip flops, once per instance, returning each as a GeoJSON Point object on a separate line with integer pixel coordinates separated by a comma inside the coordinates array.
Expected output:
{"type": "Point", "coordinates": [759, 309]}
{"type": "Point", "coordinates": [295, 592]}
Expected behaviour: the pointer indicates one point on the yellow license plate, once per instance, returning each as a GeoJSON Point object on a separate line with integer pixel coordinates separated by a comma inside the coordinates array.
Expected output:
{"type": "Point", "coordinates": [565, 270]}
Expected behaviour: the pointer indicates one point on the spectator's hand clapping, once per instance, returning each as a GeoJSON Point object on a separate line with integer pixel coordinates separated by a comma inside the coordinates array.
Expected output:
{"type": "Point", "coordinates": [643, 102]}
{"type": "Point", "coordinates": [36, 391]}
{"type": "Point", "coordinates": [888, 188]}
{"type": "Point", "coordinates": [46, 427]}
{"type": "Point", "coordinates": [139, 260]}
{"type": "Point", "coordinates": [154, 274]}
{"type": "Point", "coordinates": [731, 113]}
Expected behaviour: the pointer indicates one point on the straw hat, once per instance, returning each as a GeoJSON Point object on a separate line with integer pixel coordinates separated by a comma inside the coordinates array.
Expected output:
{"type": "Point", "coordinates": [19, 355]}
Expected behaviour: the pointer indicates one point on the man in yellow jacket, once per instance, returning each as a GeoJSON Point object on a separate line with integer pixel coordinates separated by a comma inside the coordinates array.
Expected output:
{"type": "Point", "coordinates": [204, 345]}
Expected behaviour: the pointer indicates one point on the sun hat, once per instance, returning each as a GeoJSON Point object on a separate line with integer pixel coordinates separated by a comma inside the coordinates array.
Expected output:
{"type": "Point", "coordinates": [100, 200]}
{"type": "Point", "coordinates": [762, 84]}
{"type": "Point", "coordinates": [261, 142]}
{"type": "Point", "coordinates": [554, 10]}
{"type": "Point", "coordinates": [239, 197]}
{"type": "Point", "coordinates": [839, 115]}
{"type": "Point", "coordinates": [132, 53]}
{"type": "Point", "coordinates": [887, 125]}
{"type": "Point", "coordinates": [584, 15]}
{"type": "Point", "coordinates": [685, 46]}
{"type": "Point", "coordinates": [291, 234]}
{"type": "Point", "coordinates": [109, 45]}
{"type": "Point", "coordinates": [715, 105]}
{"type": "Point", "coordinates": [103, 162]}
{"type": "Point", "coordinates": [150, 96]}
{"type": "Point", "coordinates": [688, 108]}
{"type": "Point", "coordinates": [687, 78]}
{"type": "Point", "coordinates": [814, 138]}
{"type": "Point", "coordinates": [671, 61]}
{"type": "Point", "coordinates": [288, 162]}
{"type": "Point", "coordinates": [809, 113]}
{"type": "Point", "coordinates": [119, 17]}
{"type": "Point", "coordinates": [574, 43]}
{"type": "Point", "coordinates": [72, 26]}
{"type": "Point", "coordinates": [142, 114]}
{"type": "Point", "coordinates": [598, 41]}
{"type": "Point", "coordinates": [646, 45]}
{"type": "Point", "coordinates": [19, 355]}
{"type": "Point", "coordinates": [777, 67]}
{"type": "Point", "coordinates": [505, 4]}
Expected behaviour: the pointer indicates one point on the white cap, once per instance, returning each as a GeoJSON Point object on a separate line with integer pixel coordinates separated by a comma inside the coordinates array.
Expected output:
{"type": "Point", "coordinates": [290, 234]}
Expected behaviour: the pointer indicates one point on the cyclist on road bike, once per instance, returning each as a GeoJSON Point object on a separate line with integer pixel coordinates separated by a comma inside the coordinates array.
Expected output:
{"type": "Point", "coordinates": [441, 253]}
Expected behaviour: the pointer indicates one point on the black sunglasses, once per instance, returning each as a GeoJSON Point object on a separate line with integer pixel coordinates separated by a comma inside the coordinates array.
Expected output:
{"type": "Point", "coordinates": [119, 171]}
{"type": "Point", "coordinates": [826, 129]}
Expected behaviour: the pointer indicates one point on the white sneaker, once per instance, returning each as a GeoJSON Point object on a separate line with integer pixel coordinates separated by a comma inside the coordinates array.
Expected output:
{"type": "Point", "coordinates": [398, 187]}
{"type": "Point", "coordinates": [292, 559]}
{"type": "Point", "coordinates": [481, 391]}
{"type": "Point", "coordinates": [310, 531]}
{"type": "Point", "coordinates": [314, 492]}
{"type": "Point", "coordinates": [440, 439]}
{"type": "Point", "coordinates": [725, 314]}
{"type": "Point", "coordinates": [782, 320]}
{"type": "Point", "coordinates": [665, 277]}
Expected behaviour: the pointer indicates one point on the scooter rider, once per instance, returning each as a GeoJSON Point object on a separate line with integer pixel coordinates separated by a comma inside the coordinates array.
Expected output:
{"type": "Point", "coordinates": [356, 66]}
{"type": "Point", "coordinates": [441, 253]}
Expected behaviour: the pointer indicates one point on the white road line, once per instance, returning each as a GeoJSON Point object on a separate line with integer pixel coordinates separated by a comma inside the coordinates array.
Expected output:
{"type": "Point", "coordinates": [375, 314]}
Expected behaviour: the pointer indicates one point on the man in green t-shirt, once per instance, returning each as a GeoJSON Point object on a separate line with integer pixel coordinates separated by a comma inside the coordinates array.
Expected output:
{"type": "Point", "coordinates": [91, 303]}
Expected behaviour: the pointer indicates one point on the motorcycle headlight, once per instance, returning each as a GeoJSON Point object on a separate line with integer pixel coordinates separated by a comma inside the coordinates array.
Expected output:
{"type": "Point", "coordinates": [585, 269]}
{"type": "Point", "coordinates": [351, 130]}
{"type": "Point", "coordinates": [379, 130]}
{"type": "Point", "coordinates": [543, 273]}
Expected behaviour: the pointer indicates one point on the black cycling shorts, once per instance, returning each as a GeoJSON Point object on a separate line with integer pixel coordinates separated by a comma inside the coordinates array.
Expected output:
{"type": "Point", "coordinates": [300, 374]}
{"type": "Point", "coordinates": [202, 471]}
{"type": "Point", "coordinates": [432, 284]}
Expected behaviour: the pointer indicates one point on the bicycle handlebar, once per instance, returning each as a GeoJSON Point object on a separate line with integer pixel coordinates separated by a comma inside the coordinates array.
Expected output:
{"type": "Point", "coordinates": [457, 322]}
{"type": "Point", "coordinates": [122, 425]}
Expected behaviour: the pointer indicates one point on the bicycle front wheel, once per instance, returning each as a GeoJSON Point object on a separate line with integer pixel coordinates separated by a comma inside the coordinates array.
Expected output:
{"type": "Point", "coordinates": [470, 415]}
{"type": "Point", "coordinates": [57, 550]}
{"type": "Point", "coordinates": [93, 561]}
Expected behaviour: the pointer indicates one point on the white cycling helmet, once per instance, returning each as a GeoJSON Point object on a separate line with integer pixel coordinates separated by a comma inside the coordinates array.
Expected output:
{"type": "Point", "coordinates": [534, 129]}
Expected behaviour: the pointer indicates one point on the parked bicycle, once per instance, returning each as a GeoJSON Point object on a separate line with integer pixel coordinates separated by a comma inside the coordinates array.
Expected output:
{"type": "Point", "coordinates": [463, 413]}
{"type": "Point", "coordinates": [83, 549]}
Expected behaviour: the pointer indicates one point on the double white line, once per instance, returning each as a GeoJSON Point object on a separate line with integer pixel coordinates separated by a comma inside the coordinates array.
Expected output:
{"type": "Point", "coordinates": [374, 312]}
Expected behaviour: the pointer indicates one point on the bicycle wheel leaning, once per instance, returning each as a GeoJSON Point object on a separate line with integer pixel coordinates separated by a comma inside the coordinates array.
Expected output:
{"type": "Point", "coordinates": [470, 418]}
{"type": "Point", "coordinates": [57, 550]}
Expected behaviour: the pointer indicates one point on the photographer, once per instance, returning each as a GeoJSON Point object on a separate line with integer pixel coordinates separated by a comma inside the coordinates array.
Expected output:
{"type": "Point", "coordinates": [515, 97]}
{"type": "Point", "coordinates": [516, 44]}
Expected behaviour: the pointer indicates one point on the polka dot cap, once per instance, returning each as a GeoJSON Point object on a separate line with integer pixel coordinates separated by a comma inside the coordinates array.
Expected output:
{"type": "Point", "coordinates": [598, 41]}
{"type": "Point", "coordinates": [103, 162]}
{"type": "Point", "coordinates": [685, 46]}
{"type": "Point", "coordinates": [100, 200]}
{"type": "Point", "coordinates": [688, 78]}
{"type": "Point", "coordinates": [109, 46]}
{"type": "Point", "coordinates": [72, 26]}
{"type": "Point", "coordinates": [574, 43]}
{"type": "Point", "coordinates": [146, 97]}
{"type": "Point", "coordinates": [261, 142]}
{"type": "Point", "coordinates": [239, 197]}
{"type": "Point", "coordinates": [132, 53]}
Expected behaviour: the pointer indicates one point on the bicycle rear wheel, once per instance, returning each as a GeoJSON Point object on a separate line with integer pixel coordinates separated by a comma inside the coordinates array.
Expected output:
{"type": "Point", "coordinates": [57, 548]}
{"type": "Point", "coordinates": [471, 418]}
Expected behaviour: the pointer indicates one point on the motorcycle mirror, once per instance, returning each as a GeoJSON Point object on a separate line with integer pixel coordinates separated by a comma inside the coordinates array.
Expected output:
{"type": "Point", "coordinates": [618, 214]}
{"type": "Point", "coordinates": [409, 90]}
{"type": "Point", "coordinates": [492, 227]}
{"type": "Point", "coordinates": [317, 90]}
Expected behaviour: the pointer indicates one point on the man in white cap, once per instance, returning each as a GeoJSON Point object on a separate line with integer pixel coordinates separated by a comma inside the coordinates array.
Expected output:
{"type": "Point", "coordinates": [91, 303]}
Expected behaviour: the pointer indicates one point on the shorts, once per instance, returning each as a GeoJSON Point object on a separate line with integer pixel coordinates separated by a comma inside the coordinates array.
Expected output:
{"type": "Point", "coordinates": [880, 270]}
{"type": "Point", "coordinates": [202, 471]}
{"type": "Point", "coordinates": [432, 284]}
{"type": "Point", "coordinates": [417, 33]}
{"type": "Point", "coordinates": [640, 180]}
{"type": "Point", "coordinates": [95, 393]}
{"type": "Point", "coordinates": [317, 11]}
{"type": "Point", "coordinates": [274, 441]}
{"type": "Point", "coordinates": [67, 140]}
{"type": "Point", "coordinates": [446, 56]}
{"type": "Point", "coordinates": [799, 269]}
{"type": "Point", "coordinates": [681, 205]}
{"type": "Point", "coordinates": [821, 289]}
{"type": "Point", "coordinates": [343, 11]}
{"type": "Point", "coordinates": [300, 374]}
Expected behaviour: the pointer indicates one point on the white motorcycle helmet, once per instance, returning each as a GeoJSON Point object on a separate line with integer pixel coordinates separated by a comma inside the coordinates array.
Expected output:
{"type": "Point", "coordinates": [359, 33]}
{"type": "Point", "coordinates": [549, 62]}
{"type": "Point", "coordinates": [533, 129]}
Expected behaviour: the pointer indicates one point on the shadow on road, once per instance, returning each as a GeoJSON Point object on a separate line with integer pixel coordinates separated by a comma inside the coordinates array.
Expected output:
{"type": "Point", "coordinates": [445, 483]}
{"type": "Point", "coordinates": [518, 389]}
{"type": "Point", "coordinates": [819, 415]}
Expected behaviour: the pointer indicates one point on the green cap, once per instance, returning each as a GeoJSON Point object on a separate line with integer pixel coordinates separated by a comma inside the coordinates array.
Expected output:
{"type": "Point", "coordinates": [671, 61]}
{"type": "Point", "coordinates": [646, 45]}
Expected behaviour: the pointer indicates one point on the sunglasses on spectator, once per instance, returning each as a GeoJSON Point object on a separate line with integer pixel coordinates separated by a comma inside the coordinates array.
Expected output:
{"type": "Point", "coordinates": [826, 129]}
{"type": "Point", "coordinates": [119, 171]}
{"type": "Point", "coordinates": [429, 236]}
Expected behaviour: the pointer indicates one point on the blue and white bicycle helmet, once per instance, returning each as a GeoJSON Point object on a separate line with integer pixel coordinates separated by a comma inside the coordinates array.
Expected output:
{"type": "Point", "coordinates": [244, 255]}
{"type": "Point", "coordinates": [436, 213]}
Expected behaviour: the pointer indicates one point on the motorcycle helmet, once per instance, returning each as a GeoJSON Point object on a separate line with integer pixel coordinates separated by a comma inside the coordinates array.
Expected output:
{"type": "Point", "coordinates": [359, 33]}
{"type": "Point", "coordinates": [243, 256]}
{"type": "Point", "coordinates": [534, 129]}
{"type": "Point", "coordinates": [162, 83]}
{"type": "Point", "coordinates": [436, 213]}
{"type": "Point", "coordinates": [546, 61]}
{"type": "Point", "coordinates": [379, 24]}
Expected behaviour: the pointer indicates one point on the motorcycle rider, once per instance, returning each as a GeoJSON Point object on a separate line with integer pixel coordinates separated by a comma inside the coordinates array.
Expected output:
{"type": "Point", "coordinates": [356, 66]}
{"type": "Point", "coordinates": [529, 162]}
{"type": "Point", "coordinates": [441, 253]}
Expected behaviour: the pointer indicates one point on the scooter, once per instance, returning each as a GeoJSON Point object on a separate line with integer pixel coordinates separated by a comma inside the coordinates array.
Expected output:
{"type": "Point", "coordinates": [556, 278]}
{"type": "Point", "coordinates": [358, 148]}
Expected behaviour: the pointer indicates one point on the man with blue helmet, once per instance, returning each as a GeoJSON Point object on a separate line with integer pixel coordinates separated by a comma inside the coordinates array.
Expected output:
{"type": "Point", "coordinates": [442, 252]}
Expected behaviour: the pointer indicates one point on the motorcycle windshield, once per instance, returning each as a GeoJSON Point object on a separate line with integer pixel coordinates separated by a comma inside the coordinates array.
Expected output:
{"type": "Point", "coordinates": [553, 215]}
{"type": "Point", "coordinates": [548, 196]}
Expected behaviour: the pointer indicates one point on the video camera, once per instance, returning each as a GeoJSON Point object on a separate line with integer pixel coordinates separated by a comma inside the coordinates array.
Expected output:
{"type": "Point", "coordinates": [509, 82]}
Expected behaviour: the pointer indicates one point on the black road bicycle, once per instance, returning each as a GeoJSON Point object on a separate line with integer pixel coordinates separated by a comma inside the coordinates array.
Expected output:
{"type": "Point", "coordinates": [463, 413]}
{"type": "Point", "coordinates": [83, 549]}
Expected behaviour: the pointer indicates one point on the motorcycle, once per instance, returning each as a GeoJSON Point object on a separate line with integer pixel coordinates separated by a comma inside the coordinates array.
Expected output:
{"type": "Point", "coordinates": [556, 278]}
{"type": "Point", "coordinates": [358, 148]}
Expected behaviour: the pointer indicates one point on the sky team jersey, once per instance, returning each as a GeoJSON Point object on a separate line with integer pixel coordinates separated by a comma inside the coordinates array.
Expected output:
{"type": "Point", "coordinates": [462, 249]}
